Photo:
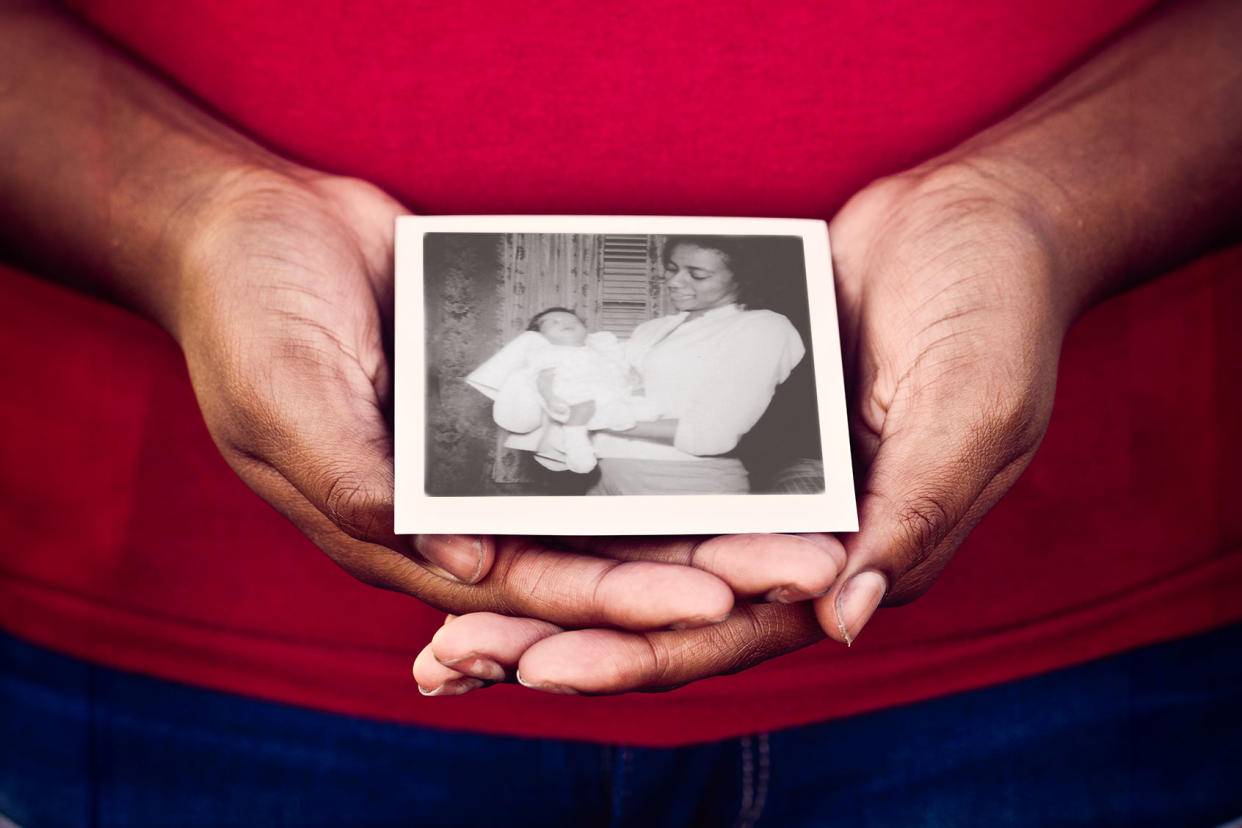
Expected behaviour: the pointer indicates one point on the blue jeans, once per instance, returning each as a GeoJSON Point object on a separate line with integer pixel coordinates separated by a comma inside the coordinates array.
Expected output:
{"type": "Point", "coordinates": [1152, 737]}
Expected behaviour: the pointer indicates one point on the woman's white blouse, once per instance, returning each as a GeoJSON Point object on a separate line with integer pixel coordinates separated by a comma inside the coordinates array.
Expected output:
{"type": "Point", "coordinates": [714, 374]}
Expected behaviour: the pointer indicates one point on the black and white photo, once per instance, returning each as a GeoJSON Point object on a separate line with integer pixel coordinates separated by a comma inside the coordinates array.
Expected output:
{"type": "Point", "coordinates": [582, 375]}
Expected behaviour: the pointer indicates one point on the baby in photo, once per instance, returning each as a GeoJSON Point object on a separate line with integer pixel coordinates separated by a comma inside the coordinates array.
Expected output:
{"type": "Point", "coordinates": [548, 373]}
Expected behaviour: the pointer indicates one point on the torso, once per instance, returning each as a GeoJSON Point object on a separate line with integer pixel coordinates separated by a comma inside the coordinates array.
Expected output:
{"type": "Point", "coordinates": [145, 552]}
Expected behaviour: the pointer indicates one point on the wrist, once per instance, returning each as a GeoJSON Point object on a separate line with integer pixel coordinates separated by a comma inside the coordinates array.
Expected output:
{"type": "Point", "coordinates": [1037, 207]}
{"type": "Point", "coordinates": [1043, 208]}
{"type": "Point", "coordinates": [959, 216]}
{"type": "Point", "coordinates": [226, 212]}
{"type": "Point", "coordinates": [1129, 166]}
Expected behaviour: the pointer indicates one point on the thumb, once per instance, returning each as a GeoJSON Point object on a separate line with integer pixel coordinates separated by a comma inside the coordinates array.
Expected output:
{"type": "Point", "coordinates": [930, 482]}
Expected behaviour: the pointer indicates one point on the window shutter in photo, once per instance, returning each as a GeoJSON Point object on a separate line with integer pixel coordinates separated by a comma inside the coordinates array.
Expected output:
{"type": "Point", "coordinates": [625, 284]}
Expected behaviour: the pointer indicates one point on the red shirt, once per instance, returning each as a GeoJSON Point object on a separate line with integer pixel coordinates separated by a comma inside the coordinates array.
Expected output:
{"type": "Point", "coordinates": [128, 540]}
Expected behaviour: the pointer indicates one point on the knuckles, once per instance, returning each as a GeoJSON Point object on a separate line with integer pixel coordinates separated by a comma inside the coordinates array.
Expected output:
{"type": "Point", "coordinates": [922, 521]}
{"type": "Point", "coordinates": [359, 510]}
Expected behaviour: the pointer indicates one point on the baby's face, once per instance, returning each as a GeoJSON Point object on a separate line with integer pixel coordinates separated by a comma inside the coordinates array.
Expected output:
{"type": "Point", "coordinates": [562, 328]}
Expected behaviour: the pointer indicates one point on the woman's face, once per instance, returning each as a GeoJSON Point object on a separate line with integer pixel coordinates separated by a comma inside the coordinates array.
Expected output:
{"type": "Point", "coordinates": [699, 278]}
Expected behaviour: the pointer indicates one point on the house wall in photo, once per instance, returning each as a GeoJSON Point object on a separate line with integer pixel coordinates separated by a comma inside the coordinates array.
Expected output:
{"type": "Point", "coordinates": [462, 296]}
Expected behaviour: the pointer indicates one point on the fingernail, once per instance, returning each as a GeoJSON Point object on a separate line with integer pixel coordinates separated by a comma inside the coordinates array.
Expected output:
{"type": "Point", "coordinates": [856, 602]}
{"type": "Point", "coordinates": [698, 621]}
{"type": "Point", "coordinates": [547, 686]}
{"type": "Point", "coordinates": [789, 594]}
{"type": "Point", "coordinates": [477, 666]}
{"type": "Point", "coordinates": [453, 687]}
{"type": "Point", "coordinates": [460, 556]}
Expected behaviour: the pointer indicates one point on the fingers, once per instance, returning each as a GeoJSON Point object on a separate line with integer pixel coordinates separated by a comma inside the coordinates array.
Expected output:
{"type": "Point", "coordinates": [527, 579]}
{"type": "Point", "coordinates": [435, 679]}
{"type": "Point", "coordinates": [781, 568]}
{"type": "Point", "coordinates": [598, 661]}
{"type": "Point", "coordinates": [613, 661]}
{"type": "Point", "coordinates": [637, 586]}
{"type": "Point", "coordinates": [474, 649]}
{"type": "Point", "coordinates": [466, 558]}
{"type": "Point", "coordinates": [571, 589]}
{"type": "Point", "coordinates": [647, 583]}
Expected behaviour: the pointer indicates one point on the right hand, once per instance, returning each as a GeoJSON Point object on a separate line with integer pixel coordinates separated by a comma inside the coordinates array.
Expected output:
{"type": "Point", "coordinates": [952, 323]}
{"type": "Point", "coordinates": [281, 303]}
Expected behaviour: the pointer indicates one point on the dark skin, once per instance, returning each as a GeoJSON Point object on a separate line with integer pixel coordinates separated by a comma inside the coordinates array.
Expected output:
{"type": "Point", "coordinates": [957, 281]}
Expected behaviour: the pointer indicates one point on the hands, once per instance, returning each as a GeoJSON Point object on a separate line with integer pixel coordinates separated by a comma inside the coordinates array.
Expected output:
{"type": "Point", "coordinates": [956, 282]}
{"type": "Point", "coordinates": [952, 335]}
{"type": "Point", "coordinates": [280, 302]}
{"type": "Point", "coordinates": [487, 647]}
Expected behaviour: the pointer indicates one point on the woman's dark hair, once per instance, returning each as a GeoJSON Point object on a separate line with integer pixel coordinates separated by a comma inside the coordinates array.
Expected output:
{"type": "Point", "coordinates": [537, 318]}
{"type": "Point", "coordinates": [735, 249]}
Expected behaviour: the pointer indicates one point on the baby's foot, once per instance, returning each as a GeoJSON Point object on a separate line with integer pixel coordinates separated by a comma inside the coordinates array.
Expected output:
{"type": "Point", "coordinates": [579, 455]}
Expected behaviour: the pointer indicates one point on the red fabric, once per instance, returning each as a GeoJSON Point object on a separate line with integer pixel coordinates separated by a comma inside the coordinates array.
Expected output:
{"type": "Point", "coordinates": [130, 542]}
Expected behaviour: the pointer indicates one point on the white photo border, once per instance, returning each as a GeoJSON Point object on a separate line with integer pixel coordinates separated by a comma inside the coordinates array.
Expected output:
{"type": "Point", "coordinates": [833, 510]}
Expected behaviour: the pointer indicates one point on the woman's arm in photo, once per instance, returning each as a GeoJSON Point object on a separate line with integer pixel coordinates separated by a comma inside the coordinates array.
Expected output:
{"type": "Point", "coordinates": [729, 391]}
{"type": "Point", "coordinates": [733, 392]}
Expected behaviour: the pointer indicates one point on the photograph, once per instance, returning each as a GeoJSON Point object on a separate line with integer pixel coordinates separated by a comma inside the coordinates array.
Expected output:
{"type": "Point", "coordinates": [676, 360]}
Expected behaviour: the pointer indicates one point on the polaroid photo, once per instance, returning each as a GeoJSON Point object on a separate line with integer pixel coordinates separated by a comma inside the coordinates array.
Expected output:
{"type": "Point", "coordinates": [581, 375]}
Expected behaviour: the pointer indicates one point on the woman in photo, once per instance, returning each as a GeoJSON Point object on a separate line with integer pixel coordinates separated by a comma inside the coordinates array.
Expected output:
{"type": "Point", "coordinates": [712, 368]}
